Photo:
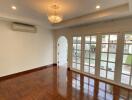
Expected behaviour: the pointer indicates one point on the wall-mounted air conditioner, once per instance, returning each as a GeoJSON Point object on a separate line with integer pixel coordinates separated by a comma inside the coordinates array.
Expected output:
{"type": "Point", "coordinates": [16, 26]}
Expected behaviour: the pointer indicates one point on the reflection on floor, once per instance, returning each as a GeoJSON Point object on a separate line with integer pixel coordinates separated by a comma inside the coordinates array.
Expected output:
{"type": "Point", "coordinates": [56, 83]}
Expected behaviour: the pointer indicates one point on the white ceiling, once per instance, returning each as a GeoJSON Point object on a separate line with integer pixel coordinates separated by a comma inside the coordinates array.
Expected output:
{"type": "Point", "coordinates": [75, 8]}
{"type": "Point", "coordinates": [34, 11]}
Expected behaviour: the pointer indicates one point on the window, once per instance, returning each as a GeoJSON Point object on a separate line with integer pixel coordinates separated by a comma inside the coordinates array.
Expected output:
{"type": "Point", "coordinates": [76, 56]}
{"type": "Point", "coordinates": [108, 56]}
{"type": "Point", "coordinates": [90, 54]}
{"type": "Point", "coordinates": [126, 74]}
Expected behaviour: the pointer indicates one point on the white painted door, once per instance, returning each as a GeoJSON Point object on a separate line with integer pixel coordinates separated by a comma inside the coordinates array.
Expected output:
{"type": "Point", "coordinates": [62, 51]}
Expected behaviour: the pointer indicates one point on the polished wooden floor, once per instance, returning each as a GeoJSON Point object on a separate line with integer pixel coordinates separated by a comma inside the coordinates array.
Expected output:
{"type": "Point", "coordinates": [56, 83]}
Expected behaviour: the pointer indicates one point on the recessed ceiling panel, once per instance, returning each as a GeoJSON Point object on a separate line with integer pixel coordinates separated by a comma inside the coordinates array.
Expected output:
{"type": "Point", "coordinates": [75, 8]}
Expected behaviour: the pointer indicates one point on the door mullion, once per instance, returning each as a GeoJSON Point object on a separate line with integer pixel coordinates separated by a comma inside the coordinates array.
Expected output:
{"type": "Point", "coordinates": [98, 55]}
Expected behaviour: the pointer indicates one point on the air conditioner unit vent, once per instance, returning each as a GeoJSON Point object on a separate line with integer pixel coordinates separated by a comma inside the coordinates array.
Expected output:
{"type": "Point", "coordinates": [16, 26]}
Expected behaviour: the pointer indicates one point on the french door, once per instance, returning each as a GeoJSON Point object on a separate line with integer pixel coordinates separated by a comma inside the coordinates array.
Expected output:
{"type": "Point", "coordinates": [126, 73]}
{"type": "Point", "coordinates": [104, 62]}
{"type": "Point", "coordinates": [76, 53]}
{"type": "Point", "coordinates": [108, 56]}
{"type": "Point", "coordinates": [90, 54]}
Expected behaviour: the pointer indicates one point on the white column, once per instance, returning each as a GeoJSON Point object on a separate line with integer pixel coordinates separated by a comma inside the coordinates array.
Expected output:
{"type": "Point", "coordinates": [118, 66]}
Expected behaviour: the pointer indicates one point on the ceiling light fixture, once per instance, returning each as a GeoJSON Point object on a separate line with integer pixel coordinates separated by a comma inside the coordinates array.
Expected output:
{"type": "Point", "coordinates": [14, 7]}
{"type": "Point", "coordinates": [54, 15]}
{"type": "Point", "coordinates": [98, 7]}
{"type": "Point", "coordinates": [98, 4]}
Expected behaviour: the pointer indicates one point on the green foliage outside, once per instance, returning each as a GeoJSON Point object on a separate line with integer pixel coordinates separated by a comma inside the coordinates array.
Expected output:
{"type": "Point", "coordinates": [129, 59]}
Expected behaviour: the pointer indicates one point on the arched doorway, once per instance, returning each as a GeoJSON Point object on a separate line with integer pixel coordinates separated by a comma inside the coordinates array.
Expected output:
{"type": "Point", "coordinates": [62, 48]}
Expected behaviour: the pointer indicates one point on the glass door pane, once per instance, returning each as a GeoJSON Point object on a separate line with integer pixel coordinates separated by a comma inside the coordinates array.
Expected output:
{"type": "Point", "coordinates": [108, 56]}
{"type": "Point", "coordinates": [90, 54]}
{"type": "Point", "coordinates": [126, 73]}
{"type": "Point", "coordinates": [76, 53]}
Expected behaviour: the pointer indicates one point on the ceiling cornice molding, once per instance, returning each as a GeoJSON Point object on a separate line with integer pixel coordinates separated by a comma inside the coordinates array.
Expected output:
{"type": "Point", "coordinates": [116, 12]}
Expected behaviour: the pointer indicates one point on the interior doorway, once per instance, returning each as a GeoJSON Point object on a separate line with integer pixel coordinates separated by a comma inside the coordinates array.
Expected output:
{"type": "Point", "coordinates": [62, 48]}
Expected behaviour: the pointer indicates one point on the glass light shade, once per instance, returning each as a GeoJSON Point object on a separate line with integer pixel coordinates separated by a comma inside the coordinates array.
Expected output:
{"type": "Point", "coordinates": [55, 18]}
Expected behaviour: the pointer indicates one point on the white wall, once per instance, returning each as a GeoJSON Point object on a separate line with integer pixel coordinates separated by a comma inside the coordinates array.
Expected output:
{"type": "Point", "coordinates": [20, 51]}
